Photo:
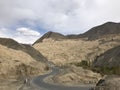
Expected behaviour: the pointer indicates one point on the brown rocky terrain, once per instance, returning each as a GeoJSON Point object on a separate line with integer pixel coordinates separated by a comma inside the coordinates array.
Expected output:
{"type": "Point", "coordinates": [102, 30]}
{"type": "Point", "coordinates": [110, 58]}
{"type": "Point", "coordinates": [106, 29]}
{"type": "Point", "coordinates": [74, 76]}
{"type": "Point", "coordinates": [18, 62]}
{"type": "Point", "coordinates": [77, 48]}
{"type": "Point", "coordinates": [98, 31]}
{"type": "Point", "coordinates": [66, 50]}
{"type": "Point", "coordinates": [21, 59]}
{"type": "Point", "coordinates": [76, 54]}
{"type": "Point", "coordinates": [109, 83]}
{"type": "Point", "coordinates": [53, 35]}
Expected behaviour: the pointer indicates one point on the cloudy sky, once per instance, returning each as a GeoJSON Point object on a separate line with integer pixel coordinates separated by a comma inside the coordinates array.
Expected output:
{"type": "Point", "coordinates": [27, 20]}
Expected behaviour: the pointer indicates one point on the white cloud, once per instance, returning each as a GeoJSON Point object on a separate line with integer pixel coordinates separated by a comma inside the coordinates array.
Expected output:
{"type": "Point", "coordinates": [22, 35]}
{"type": "Point", "coordinates": [27, 32]}
{"type": "Point", "coordinates": [65, 16]}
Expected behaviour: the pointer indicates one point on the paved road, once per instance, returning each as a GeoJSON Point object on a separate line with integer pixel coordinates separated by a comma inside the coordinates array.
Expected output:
{"type": "Point", "coordinates": [39, 81]}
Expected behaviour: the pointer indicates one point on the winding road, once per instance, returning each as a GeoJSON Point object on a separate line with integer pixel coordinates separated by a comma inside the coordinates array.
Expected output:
{"type": "Point", "coordinates": [39, 81]}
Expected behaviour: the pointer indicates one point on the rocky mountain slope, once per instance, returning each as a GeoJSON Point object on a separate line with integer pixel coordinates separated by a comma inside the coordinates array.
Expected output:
{"type": "Point", "coordinates": [109, 83]}
{"type": "Point", "coordinates": [109, 28]}
{"type": "Point", "coordinates": [75, 50]}
{"type": "Point", "coordinates": [106, 29]}
{"type": "Point", "coordinates": [102, 30]}
{"type": "Point", "coordinates": [97, 47]}
{"type": "Point", "coordinates": [19, 61]}
{"type": "Point", "coordinates": [110, 58]}
{"type": "Point", "coordinates": [53, 35]}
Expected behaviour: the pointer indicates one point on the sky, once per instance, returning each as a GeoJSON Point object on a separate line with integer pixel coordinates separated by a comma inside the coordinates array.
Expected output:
{"type": "Point", "coordinates": [27, 20]}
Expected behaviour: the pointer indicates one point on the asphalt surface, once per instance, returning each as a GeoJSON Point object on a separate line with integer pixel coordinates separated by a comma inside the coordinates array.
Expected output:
{"type": "Point", "coordinates": [39, 81]}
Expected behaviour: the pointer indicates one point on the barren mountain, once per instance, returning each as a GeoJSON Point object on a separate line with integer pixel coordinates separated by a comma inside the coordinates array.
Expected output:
{"type": "Point", "coordinates": [110, 58]}
{"type": "Point", "coordinates": [109, 28]}
{"type": "Point", "coordinates": [102, 30]}
{"type": "Point", "coordinates": [53, 35]}
{"type": "Point", "coordinates": [76, 49]}
{"type": "Point", "coordinates": [64, 51]}
{"type": "Point", "coordinates": [106, 29]}
{"type": "Point", "coordinates": [19, 61]}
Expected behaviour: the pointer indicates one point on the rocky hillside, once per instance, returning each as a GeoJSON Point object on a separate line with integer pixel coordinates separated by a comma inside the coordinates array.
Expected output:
{"type": "Point", "coordinates": [102, 30]}
{"type": "Point", "coordinates": [18, 61]}
{"type": "Point", "coordinates": [53, 35]}
{"type": "Point", "coordinates": [75, 48]}
{"type": "Point", "coordinates": [75, 76]}
{"type": "Point", "coordinates": [70, 50]}
{"type": "Point", "coordinates": [109, 28]}
{"type": "Point", "coordinates": [109, 83]}
{"type": "Point", "coordinates": [110, 58]}
{"type": "Point", "coordinates": [10, 43]}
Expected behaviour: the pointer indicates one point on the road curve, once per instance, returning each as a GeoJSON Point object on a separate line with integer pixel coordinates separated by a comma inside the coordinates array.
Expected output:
{"type": "Point", "coordinates": [39, 81]}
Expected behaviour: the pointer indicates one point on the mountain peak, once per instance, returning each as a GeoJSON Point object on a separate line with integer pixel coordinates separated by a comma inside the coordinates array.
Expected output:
{"type": "Point", "coordinates": [94, 33]}
{"type": "Point", "coordinates": [50, 34]}
{"type": "Point", "coordinates": [110, 23]}
{"type": "Point", "coordinates": [102, 30]}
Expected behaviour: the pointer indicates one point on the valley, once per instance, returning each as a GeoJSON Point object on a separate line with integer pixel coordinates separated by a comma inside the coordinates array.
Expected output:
{"type": "Point", "coordinates": [83, 60]}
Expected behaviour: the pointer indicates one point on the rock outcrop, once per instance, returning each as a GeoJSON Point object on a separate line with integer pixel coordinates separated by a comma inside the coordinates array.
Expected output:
{"type": "Point", "coordinates": [110, 58]}
{"type": "Point", "coordinates": [109, 83]}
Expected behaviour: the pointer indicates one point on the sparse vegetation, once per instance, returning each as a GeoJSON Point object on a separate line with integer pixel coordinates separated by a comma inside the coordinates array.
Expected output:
{"type": "Point", "coordinates": [107, 70]}
{"type": "Point", "coordinates": [19, 63]}
{"type": "Point", "coordinates": [83, 63]}
{"type": "Point", "coordinates": [68, 51]}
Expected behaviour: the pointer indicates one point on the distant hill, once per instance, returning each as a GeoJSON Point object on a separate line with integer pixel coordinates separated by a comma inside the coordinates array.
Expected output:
{"type": "Point", "coordinates": [110, 58]}
{"type": "Point", "coordinates": [53, 35]}
{"type": "Point", "coordinates": [102, 30]}
{"type": "Point", "coordinates": [97, 32]}
{"type": "Point", "coordinates": [10, 43]}
{"type": "Point", "coordinates": [74, 36]}
{"type": "Point", "coordinates": [66, 49]}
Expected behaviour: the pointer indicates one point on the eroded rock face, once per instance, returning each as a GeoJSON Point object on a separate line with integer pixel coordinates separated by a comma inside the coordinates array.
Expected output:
{"type": "Point", "coordinates": [109, 83]}
{"type": "Point", "coordinates": [110, 58]}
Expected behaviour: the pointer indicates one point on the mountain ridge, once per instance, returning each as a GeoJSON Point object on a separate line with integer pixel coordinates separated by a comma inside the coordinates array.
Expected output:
{"type": "Point", "coordinates": [10, 43]}
{"type": "Point", "coordinates": [92, 34]}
